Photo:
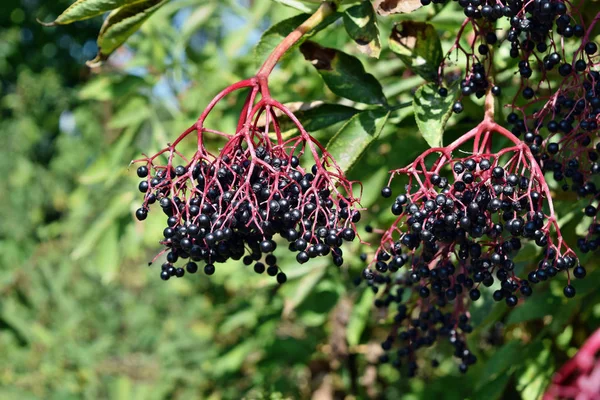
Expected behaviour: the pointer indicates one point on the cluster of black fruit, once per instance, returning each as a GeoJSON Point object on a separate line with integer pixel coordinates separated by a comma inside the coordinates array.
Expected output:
{"type": "Point", "coordinates": [456, 237]}
{"type": "Point", "coordinates": [476, 84]}
{"type": "Point", "coordinates": [563, 140]}
{"type": "Point", "coordinates": [532, 24]}
{"type": "Point", "coordinates": [216, 212]}
{"type": "Point", "coordinates": [422, 327]}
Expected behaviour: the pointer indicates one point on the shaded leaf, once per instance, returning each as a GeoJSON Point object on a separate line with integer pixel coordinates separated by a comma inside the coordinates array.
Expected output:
{"type": "Point", "coordinates": [506, 357]}
{"type": "Point", "coordinates": [275, 34]}
{"type": "Point", "coordinates": [315, 115]}
{"type": "Point", "coordinates": [361, 24]}
{"type": "Point", "coordinates": [84, 9]}
{"type": "Point", "coordinates": [418, 46]}
{"type": "Point", "coordinates": [432, 111]}
{"type": "Point", "coordinates": [536, 307]}
{"type": "Point", "coordinates": [387, 7]}
{"type": "Point", "coordinates": [359, 317]}
{"type": "Point", "coordinates": [302, 289]}
{"type": "Point", "coordinates": [344, 74]}
{"type": "Point", "coordinates": [351, 141]}
{"type": "Point", "coordinates": [122, 23]}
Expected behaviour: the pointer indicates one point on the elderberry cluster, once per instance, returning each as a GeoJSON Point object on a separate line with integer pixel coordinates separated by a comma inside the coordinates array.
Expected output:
{"type": "Point", "coordinates": [453, 236]}
{"type": "Point", "coordinates": [563, 136]}
{"type": "Point", "coordinates": [536, 35]}
{"type": "Point", "coordinates": [235, 206]}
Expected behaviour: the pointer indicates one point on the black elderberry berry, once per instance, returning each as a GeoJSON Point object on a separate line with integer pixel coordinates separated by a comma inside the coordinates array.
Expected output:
{"type": "Point", "coordinates": [591, 48]}
{"type": "Point", "coordinates": [579, 272]}
{"type": "Point", "coordinates": [569, 291]}
{"type": "Point", "coordinates": [565, 69]}
{"type": "Point", "coordinates": [386, 192]}
{"type": "Point", "coordinates": [142, 171]}
{"type": "Point", "coordinates": [191, 267]}
{"type": "Point", "coordinates": [528, 93]}
{"type": "Point", "coordinates": [457, 108]}
{"type": "Point", "coordinates": [511, 300]}
{"type": "Point", "coordinates": [209, 269]}
{"type": "Point", "coordinates": [281, 278]}
{"type": "Point", "coordinates": [590, 211]}
{"type": "Point", "coordinates": [143, 186]}
{"type": "Point", "coordinates": [272, 270]}
{"type": "Point", "coordinates": [141, 213]}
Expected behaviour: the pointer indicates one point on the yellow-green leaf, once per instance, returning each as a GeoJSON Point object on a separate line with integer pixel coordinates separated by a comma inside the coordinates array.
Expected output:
{"type": "Point", "coordinates": [85, 9]}
{"type": "Point", "coordinates": [122, 23]}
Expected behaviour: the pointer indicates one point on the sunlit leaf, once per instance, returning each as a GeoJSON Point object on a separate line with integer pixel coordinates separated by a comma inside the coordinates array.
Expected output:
{"type": "Point", "coordinates": [84, 9]}
{"type": "Point", "coordinates": [122, 23]}
{"type": "Point", "coordinates": [361, 24]}
{"type": "Point", "coordinates": [353, 139]}
{"type": "Point", "coordinates": [418, 46]}
{"type": "Point", "coordinates": [387, 7]}
{"type": "Point", "coordinates": [275, 34]}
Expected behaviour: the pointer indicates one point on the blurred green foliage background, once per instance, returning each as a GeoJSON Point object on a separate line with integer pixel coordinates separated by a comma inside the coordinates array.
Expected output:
{"type": "Point", "coordinates": [81, 314]}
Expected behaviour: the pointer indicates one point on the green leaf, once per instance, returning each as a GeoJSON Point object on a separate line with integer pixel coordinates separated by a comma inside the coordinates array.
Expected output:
{"type": "Point", "coordinates": [351, 141]}
{"type": "Point", "coordinates": [418, 46]}
{"type": "Point", "coordinates": [85, 9]}
{"type": "Point", "coordinates": [115, 209]}
{"type": "Point", "coordinates": [107, 255]}
{"type": "Point", "coordinates": [359, 317]}
{"type": "Point", "coordinates": [197, 18]}
{"type": "Point", "coordinates": [432, 111]}
{"type": "Point", "coordinates": [298, 5]}
{"type": "Point", "coordinates": [275, 34]}
{"type": "Point", "coordinates": [319, 116]}
{"type": "Point", "coordinates": [361, 24]}
{"type": "Point", "coordinates": [534, 376]}
{"type": "Point", "coordinates": [344, 74]}
{"type": "Point", "coordinates": [301, 289]}
{"type": "Point", "coordinates": [122, 23]}
{"type": "Point", "coordinates": [506, 357]}
{"type": "Point", "coordinates": [536, 307]}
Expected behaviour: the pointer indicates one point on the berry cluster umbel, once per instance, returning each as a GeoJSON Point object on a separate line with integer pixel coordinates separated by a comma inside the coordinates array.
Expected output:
{"type": "Point", "coordinates": [233, 206]}
{"type": "Point", "coordinates": [259, 188]}
{"type": "Point", "coordinates": [539, 34]}
{"type": "Point", "coordinates": [459, 224]}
